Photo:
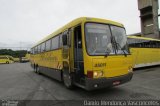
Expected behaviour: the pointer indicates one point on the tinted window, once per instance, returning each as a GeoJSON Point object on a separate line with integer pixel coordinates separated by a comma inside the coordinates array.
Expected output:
{"type": "Point", "coordinates": [43, 47]}
{"type": "Point", "coordinates": [147, 44]}
{"type": "Point", "coordinates": [3, 58]}
{"type": "Point", "coordinates": [131, 42]}
{"type": "Point", "coordinates": [143, 43]}
{"type": "Point", "coordinates": [158, 43]}
{"type": "Point", "coordinates": [60, 40]}
{"type": "Point", "coordinates": [55, 43]}
{"type": "Point", "coordinates": [36, 50]}
{"type": "Point", "coordinates": [39, 48]}
{"type": "Point", "coordinates": [48, 45]}
{"type": "Point", "coordinates": [31, 51]}
{"type": "Point", "coordinates": [154, 44]}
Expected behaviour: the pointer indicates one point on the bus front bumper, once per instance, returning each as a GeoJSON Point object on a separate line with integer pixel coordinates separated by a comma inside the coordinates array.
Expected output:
{"type": "Point", "coordinates": [92, 84]}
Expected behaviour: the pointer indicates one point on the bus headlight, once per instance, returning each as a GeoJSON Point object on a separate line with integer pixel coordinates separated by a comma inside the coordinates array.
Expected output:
{"type": "Point", "coordinates": [97, 74]}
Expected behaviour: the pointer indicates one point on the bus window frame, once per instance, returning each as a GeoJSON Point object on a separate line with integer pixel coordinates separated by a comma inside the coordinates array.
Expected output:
{"type": "Point", "coordinates": [59, 44]}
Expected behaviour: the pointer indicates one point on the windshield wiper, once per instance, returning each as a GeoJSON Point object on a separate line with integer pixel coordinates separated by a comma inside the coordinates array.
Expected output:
{"type": "Point", "coordinates": [117, 44]}
{"type": "Point", "coordinates": [121, 49]}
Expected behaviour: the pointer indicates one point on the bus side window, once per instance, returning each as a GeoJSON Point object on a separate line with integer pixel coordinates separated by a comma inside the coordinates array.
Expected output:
{"type": "Point", "coordinates": [39, 48]}
{"type": "Point", "coordinates": [135, 43]}
{"type": "Point", "coordinates": [55, 43]}
{"type": "Point", "coordinates": [31, 51]}
{"type": "Point", "coordinates": [48, 45]}
{"type": "Point", "coordinates": [43, 46]}
{"type": "Point", "coordinates": [35, 50]}
{"type": "Point", "coordinates": [140, 43]}
{"type": "Point", "coordinates": [131, 42]}
{"type": "Point", "coordinates": [144, 43]}
{"type": "Point", "coordinates": [64, 39]}
{"type": "Point", "coordinates": [151, 44]}
{"type": "Point", "coordinates": [60, 40]}
{"type": "Point", "coordinates": [154, 43]}
{"type": "Point", "coordinates": [147, 44]}
{"type": "Point", "coordinates": [158, 44]}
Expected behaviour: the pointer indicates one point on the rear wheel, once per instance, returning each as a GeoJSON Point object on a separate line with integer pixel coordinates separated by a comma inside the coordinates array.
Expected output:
{"type": "Point", "coordinates": [67, 79]}
{"type": "Point", "coordinates": [34, 67]}
{"type": "Point", "coordinates": [7, 62]}
{"type": "Point", "coordinates": [37, 70]}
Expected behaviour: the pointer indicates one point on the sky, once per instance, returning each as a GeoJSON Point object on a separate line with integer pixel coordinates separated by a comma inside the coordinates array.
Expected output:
{"type": "Point", "coordinates": [24, 22]}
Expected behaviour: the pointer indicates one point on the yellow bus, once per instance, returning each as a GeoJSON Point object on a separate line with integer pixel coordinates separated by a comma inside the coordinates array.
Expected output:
{"type": "Point", "coordinates": [16, 59]}
{"type": "Point", "coordinates": [90, 53]}
{"type": "Point", "coordinates": [6, 59]}
{"type": "Point", "coordinates": [145, 51]}
{"type": "Point", "coordinates": [27, 56]}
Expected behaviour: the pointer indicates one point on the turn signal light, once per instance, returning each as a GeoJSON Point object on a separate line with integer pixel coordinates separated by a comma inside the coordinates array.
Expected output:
{"type": "Point", "coordinates": [130, 69]}
{"type": "Point", "coordinates": [98, 74]}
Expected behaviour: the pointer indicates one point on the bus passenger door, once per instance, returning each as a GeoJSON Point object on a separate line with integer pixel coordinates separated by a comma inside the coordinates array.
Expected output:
{"type": "Point", "coordinates": [78, 55]}
{"type": "Point", "coordinates": [66, 36]}
{"type": "Point", "coordinates": [66, 58]}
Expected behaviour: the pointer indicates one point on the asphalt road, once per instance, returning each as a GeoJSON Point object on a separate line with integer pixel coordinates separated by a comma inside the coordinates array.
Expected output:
{"type": "Point", "coordinates": [19, 82]}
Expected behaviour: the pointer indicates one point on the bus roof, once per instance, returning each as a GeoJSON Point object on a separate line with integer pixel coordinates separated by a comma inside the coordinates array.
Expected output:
{"type": "Point", "coordinates": [145, 38]}
{"type": "Point", "coordinates": [75, 22]}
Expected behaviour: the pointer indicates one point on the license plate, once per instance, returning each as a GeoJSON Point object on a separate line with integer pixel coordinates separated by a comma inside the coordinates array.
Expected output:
{"type": "Point", "coordinates": [116, 82]}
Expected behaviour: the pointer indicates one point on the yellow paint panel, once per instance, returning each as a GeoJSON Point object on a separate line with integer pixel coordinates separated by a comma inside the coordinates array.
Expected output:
{"type": "Point", "coordinates": [111, 66]}
{"type": "Point", "coordinates": [145, 55]}
{"type": "Point", "coordinates": [50, 59]}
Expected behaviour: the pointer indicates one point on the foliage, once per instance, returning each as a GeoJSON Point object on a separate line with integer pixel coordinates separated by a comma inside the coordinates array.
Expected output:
{"type": "Point", "coordinates": [17, 53]}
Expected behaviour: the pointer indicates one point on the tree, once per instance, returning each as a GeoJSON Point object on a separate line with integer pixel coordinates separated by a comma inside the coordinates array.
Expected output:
{"type": "Point", "coordinates": [17, 53]}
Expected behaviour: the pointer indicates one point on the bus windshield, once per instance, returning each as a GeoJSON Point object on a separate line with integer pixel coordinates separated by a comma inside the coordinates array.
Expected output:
{"type": "Point", "coordinates": [104, 39]}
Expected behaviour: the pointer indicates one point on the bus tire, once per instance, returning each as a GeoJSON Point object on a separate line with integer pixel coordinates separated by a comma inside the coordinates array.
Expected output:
{"type": "Point", "coordinates": [7, 62]}
{"type": "Point", "coordinates": [37, 70]}
{"type": "Point", "coordinates": [34, 68]}
{"type": "Point", "coordinates": [67, 79]}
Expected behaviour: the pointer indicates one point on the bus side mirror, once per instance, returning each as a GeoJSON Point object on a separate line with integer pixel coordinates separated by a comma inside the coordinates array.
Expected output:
{"type": "Point", "coordinates": [64, 39]}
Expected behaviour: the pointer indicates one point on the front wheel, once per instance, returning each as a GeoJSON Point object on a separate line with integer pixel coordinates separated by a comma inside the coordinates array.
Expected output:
{"type": "Point", "coordinates": [7, 62]}
{"type": "Point", "coordinates": [67, 79]}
